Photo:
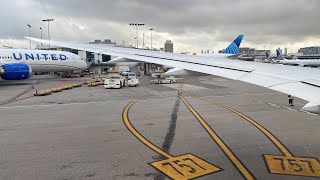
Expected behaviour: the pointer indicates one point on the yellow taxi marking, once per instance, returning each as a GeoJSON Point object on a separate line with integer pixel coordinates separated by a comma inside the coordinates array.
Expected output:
{"type": "Point", "coordinates": [293, 165]}
{"type": "Point", "coordinates": [287, 164]}
{"type": "Point", "coordinates": [180, 88]}
{"type": "Point", "coordinates": [137, 134]}
{"type": "Point", "coordinates": [185, 167]}
{"type": "Point", "coordinates": [274, 140]}
{"type": "Point", "coordinates": [180, 167]}
{"type": "Point", "coordinates": [232, 157]}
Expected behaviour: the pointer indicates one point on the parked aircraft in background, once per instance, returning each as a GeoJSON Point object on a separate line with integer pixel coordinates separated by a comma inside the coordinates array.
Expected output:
{"type": "Point", "coordinates": [296, 62]}
{"type": "Point", "coordinates": [297, 81]}
{"type": "Point", "coordinates": [18, 64]}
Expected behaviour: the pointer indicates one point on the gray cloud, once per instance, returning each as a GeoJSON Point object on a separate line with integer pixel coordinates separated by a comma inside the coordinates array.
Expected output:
{"type": "Point", "coordinates": [192, 25]}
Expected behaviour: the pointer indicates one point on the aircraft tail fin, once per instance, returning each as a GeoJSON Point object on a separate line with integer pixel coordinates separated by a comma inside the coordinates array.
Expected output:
{"type": "Point", "coordinates": [269, 59]}
{"type": "Point", "coordinates": [279, 55]}
{"type": "Point", "coordinates": [233, 48]}
{"type": "Point", "coordinates": [268, 54]}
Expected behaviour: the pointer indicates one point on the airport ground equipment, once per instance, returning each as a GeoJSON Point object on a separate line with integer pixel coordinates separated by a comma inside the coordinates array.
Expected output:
{"type": "Point", "coordinates": [56, 89]}
{"type": "Point", "coordinates": [42, 93]}
{"type": "Point", "coordinates": [133, 82]}
{"type": "Point", "coordinates": [114, 81]}
{"type": "Point", "coordinates": [124, 73]}
{"type": "Point", "coordinates": [174, 79]}
{"type": "Point", "coordinates": [168, 80]}
{"type": "Point", "coordinates": [131, 76]}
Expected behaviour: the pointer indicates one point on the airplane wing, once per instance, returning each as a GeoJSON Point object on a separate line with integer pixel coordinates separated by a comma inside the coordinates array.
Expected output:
{"type": "Point", "coordinates": [300, 82]}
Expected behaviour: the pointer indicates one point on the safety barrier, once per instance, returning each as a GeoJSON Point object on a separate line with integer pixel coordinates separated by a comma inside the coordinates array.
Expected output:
{"type": "Point", "coordinates": [56, 89]}
{"type": "Point", "coordinates": [94, 83]}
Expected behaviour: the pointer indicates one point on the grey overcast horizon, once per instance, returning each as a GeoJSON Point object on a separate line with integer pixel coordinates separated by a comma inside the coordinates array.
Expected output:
{"type": "Point", "coordinates": [191, 25]}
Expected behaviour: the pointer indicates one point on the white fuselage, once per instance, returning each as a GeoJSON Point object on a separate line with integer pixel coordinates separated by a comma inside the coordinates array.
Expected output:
{"type": "Point", "coordinates": [301, 62]}
{"type": "Point", "coordinates": [43, 60]}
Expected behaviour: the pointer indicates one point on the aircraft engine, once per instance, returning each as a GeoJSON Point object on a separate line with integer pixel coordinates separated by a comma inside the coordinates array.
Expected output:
{"type": "Point", "coordinates": [15, 71]}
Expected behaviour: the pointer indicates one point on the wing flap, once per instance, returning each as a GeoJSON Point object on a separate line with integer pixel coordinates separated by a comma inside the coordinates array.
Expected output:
{"type": "Point", "coordinates": [300, 90]}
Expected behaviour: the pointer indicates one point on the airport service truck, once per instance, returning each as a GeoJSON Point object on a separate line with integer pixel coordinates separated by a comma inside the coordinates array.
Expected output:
{"type": "Point", "coordinates": [114, 81]}
{"type": "Point", "coordinates": [168, 80]}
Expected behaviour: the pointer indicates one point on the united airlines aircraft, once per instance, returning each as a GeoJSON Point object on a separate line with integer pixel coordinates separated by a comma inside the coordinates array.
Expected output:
{"type": "Point", "coordinates": [18, 64]}
{"type": "Point", "coordinates": [296, 62]}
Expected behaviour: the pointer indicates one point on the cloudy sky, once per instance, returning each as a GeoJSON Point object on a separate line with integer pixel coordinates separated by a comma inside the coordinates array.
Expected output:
{"type": "Point", "coordinates": [193, 25]}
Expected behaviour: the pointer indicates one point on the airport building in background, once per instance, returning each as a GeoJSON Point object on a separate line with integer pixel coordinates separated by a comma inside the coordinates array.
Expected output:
{"type": "Point", "coordinates": [168, 46]}
{"type": "Point", "coordinates": [97, 63]}
{"type": "Point", "coordinates": [312, 50]}
{"type": "Point", "coordinates": [105, 42]}
{"type": "Point", "coordinates": [286, 51]}
{"type": "Point", "coordinates": [247, 51]}
{"type": "Point", "coordinates": [206, 51]}
{"type": "Point", "coordinates": [249, 54]}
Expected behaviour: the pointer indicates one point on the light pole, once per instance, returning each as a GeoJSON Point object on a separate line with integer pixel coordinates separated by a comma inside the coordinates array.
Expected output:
{"type": "Point", "coordinates": [48, 20]}
{"type": "Point", "coordinates": [135, 38]}
{"type": "Point", "coordinates": [143, 41]}
{"type": "Point", "coordinates": [136, 25]}
{"type": "Point", "coordinates": [29, 33]}
{"type": "Point", "coordinates": [151, 36]}
{"type": "Point", "coordinates": [41, 34]}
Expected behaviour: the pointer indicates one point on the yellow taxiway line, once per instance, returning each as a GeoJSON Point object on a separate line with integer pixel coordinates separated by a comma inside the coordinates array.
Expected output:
{"type": "Point", "coordinates": [232, 157]}
{"type": "Point", "coordinates": [288, 164]}
{"type": "Point", "coordinates": [183, 167]}
{"type": "Point", "coordinates": [138, 135]}
{"type": "Point", "coordinates": [270, 136]}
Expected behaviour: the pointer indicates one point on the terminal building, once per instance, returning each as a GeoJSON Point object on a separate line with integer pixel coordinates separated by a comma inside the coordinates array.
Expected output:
{"type": "Point", "coordinates": [312, 50]}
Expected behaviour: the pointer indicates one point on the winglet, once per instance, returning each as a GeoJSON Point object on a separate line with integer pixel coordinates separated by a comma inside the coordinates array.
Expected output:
{"type": "Point", "coordinates": [233, 48]}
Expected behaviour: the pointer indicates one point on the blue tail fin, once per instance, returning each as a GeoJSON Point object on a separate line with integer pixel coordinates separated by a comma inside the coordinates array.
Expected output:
{"type": "Point", "coordinates": [278, 53]}
{"type": "Point", "coordinates": [267, 54]}
{"type": "Point", "coordinates": [233, 48]}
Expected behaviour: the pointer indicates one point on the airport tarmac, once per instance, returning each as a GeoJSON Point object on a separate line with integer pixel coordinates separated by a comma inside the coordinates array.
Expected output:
{"type": "Point", "coordinates": [206, 128]}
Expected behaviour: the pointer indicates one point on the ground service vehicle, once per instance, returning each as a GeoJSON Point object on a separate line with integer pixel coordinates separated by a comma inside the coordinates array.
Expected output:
{"type": "Point", "coordinates": [174, 79]}
{"type": "Point", "coordinates": [132, 75]}
{"type": "Point", "coordinates": [114, 82]}
{"type": "Point", "coordinates": [168, 80]}
{"type": "Point", "coordinates": [133, 82]}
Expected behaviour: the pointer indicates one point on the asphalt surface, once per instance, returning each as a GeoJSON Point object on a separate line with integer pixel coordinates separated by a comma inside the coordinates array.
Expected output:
{"type": "Point", "coordinates": [207, 128]}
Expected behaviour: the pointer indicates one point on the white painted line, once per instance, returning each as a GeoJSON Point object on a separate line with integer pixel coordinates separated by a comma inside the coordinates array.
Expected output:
{"type": "Point", "coordinates": [186, 87]}
{"type": "Point", "coordinates": [105, 102]}
{"type": "Point", "coordinates": [291, 109]}
{"type": "Point", "coordinates": [84, 103]}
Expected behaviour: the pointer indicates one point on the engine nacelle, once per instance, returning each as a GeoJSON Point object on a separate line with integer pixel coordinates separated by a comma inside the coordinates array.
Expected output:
{"type": "Point", "coordinates": [15, 71]}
